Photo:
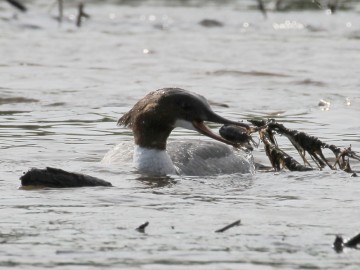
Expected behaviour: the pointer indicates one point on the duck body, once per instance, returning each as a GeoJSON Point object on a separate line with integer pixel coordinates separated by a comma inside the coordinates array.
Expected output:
{"type": "Point", "coordinates": [153, 118]}
{"type": "Point", "coordinates": [183, 157]}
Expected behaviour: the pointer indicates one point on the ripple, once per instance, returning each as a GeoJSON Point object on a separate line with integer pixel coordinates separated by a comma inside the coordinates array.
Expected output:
{"type": "Point", "coordinates": [12, 100]}
{"type": "Point", "coordinates": [226, 72]}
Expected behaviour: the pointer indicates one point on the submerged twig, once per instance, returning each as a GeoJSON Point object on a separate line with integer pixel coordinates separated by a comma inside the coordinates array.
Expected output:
{"type": "Point", "coordinates": [142, 227]}
{"type": "Point", "coordinates": [332, 6]}
{"type": "Point", "coordinates": [17, 5]}
{"type": "Point", "coordinates": [61, 10]}
{"type": "Point", "coordinates": [81, 14]}
{"type": "Point", "coordinates": [316, 2]}
{"type": "Point", "coordinates": [262, 8]}
{"type": "Point", "coordinates": [339, 243]}
{"type": "Point", "coordinates": [236, 223]}
{"type": "Point", "coordinates": [353, 242]}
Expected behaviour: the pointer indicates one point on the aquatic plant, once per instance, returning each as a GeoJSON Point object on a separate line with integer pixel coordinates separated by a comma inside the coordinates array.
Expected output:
{"type": "Point", "coordinates": [303, 143]}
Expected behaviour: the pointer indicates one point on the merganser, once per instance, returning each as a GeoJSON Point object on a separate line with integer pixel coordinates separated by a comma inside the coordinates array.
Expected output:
{"type": "Point", "coordinates": [153, 118]}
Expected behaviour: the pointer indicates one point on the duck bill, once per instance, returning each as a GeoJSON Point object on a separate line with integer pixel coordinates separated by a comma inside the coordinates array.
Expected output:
{"type": "Point", "coordinates": [213, 117]}
{"type": "Point", "coordinates": [203, 129]}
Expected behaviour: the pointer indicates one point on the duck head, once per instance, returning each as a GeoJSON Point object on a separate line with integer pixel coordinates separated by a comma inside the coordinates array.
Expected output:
{"type": "Point", "coordinates": [154, 117]}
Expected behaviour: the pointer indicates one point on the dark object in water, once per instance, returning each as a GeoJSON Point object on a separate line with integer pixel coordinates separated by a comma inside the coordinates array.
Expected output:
{"type": "Point", "coordinates": [313, 145]}
{"type": "Point", "coordinates": [142, 227]}
{"type": "Point", "coordinates": [332, 6]}
{"type": "Point", "coordinates": [81, 14]}
{"type": "Point", "coordinates": [236, 223]}
{"type": "Point", "coordinates": [57, 178]}
{"type": "Point", "coordinates": [353, 242]}
{"type": "Point", "coordinates": [279, 158]}
{"type": "Point", "coordinates": [303, 143]}
{"type": "Point", "coordinates": [17, 5]}
{"type": "Point", "coordinates": [262, 8]}
{"type": "Point", "coordinates": [343, 163]}
{"type": "Point", "coordinates": [211, 23]}
{"type": "Point", "coordinates": [238, 135]}
{"type": "Point", "coordinates": [61, 10]}
{"type": "Point", "coordinates": [340, 244]}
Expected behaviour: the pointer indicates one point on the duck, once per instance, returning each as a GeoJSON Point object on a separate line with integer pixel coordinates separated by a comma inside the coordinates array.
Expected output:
{"type": "Point", "coordinates": [156, 115]}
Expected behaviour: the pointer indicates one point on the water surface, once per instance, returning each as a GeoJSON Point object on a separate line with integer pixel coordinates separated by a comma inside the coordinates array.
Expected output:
{"type": "Point", "coordinates": [63, 89]}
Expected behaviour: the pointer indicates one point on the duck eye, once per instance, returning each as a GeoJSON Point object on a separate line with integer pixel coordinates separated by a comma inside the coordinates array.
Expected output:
{"type": "Point", "coordinates": [184, 106]}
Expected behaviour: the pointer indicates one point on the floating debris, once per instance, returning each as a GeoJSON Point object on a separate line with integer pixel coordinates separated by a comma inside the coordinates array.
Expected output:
{"type": "Point", "coordinates": [61, 10]}
{"type": "Point", "coordinates": [81, 14]}
{"type": "Point", "coordinates": [262, 8]}
{"type": "Point", "coordinates": [278, 158]}
{"type": "Point", "coordinates": [211, 23]}
{"type": "Point", "coordinates": [339, 243]}
{"type": "Point", "coordinates": [57, 178]}
{"type": "Point", "coordinates": [236, 223]}
{"type": "Point", "coordinates": [324, 104]}
{"type": "Point", "coordinates": [333, 6]}
{"type": "Point", "coordinates": [17, 5]}
{"type": "Point", "coordinates": [303, 143]}
{"type": "Point", "coordinates": [142, 227]}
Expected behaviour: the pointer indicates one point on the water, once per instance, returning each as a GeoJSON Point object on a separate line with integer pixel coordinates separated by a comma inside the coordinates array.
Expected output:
{"type": "Point", "coordinates": [63, 89]}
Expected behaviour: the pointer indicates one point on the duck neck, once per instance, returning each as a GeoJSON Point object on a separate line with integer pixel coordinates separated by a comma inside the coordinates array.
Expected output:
{"type": "Point", "coordinates": [151, 133]}
{"type": "Point", "coordinates": [153, 161]}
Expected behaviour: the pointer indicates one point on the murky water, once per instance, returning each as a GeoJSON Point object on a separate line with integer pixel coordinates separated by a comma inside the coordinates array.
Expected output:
{"type": "Point", "coordinates": [63, 89]}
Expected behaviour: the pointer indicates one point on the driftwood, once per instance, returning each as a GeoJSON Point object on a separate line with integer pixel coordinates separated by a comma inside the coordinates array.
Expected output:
{"type": "Point", "coordinates": [57, 178]}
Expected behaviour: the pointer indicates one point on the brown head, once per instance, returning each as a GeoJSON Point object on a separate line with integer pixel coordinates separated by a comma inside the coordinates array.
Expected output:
{"type": "Point", "coordinates": [154, 117]}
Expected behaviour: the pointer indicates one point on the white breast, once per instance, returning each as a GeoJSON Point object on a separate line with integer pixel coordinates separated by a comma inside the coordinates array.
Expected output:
{"type": "Point", "coordinates": [152, 161]}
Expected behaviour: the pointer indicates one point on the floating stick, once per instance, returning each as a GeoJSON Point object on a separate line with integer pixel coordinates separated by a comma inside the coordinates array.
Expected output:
{"type": "Point", "coordinates": [262, 8]}
{"type": "Point", "coordinates": [61, 10]}
{"type": "Point", "coordinates": [81, 14]}
{"type": "Point", "coordinates": [17, 5]}
{"type": "Point", "coordinates": [339, 243]}
{"type": "Point", "coordinates": [236, 223]}
{"type": "Point", "coordinates": [142, 227]}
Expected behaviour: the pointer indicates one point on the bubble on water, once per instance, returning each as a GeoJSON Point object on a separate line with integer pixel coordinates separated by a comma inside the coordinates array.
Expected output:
{"type": "Point", "coordinates": [152, 18]}
{"type": "Point", "coordinates": [324, 104]}
{"type": "Point", "coordinates": [348, 101]}
{"type": "Point", "coordinates": [288, 25]}
{"type": "Point", "coordinates": [71, 17]}
{"type": "Point", "coordinates": [348, 24]}
{"type": "Point", "coordinates": [112, 16]}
